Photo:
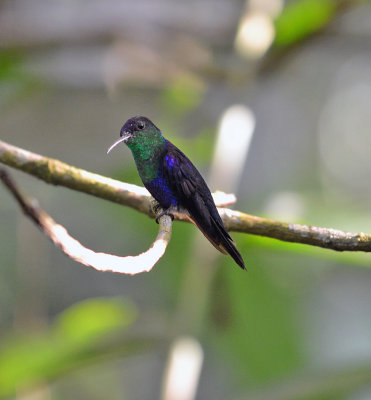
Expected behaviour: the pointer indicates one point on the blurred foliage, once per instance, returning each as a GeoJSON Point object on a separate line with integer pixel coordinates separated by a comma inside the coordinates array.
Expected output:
{"type": "Point", "coordinates": [92, 318]}
{"type": "Point", "coordinates": [252, 326]}
{"type": "Point", "coordinates": [10, 65]}
{"type": "Point", "coordinates": [258, 307]}
{"type": "Point", "coordinates": [181, 97]}
{"type": "Point", "coordinates": [15, 82]}
{"type": "Point", "coordinates": [85, 333]}
{"type": "Point", "coordinates": [301, 18]}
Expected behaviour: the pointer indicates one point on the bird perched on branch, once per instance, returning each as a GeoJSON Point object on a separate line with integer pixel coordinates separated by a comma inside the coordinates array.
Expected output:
{"type": "Point", "coordinates": [175, 182]}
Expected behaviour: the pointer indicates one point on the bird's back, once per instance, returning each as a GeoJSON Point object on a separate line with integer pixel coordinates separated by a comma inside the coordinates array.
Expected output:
{"type": "Point", "coordinates": [193, 194]}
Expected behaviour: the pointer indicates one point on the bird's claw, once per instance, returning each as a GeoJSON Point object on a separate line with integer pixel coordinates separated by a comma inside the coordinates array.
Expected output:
{"type": "Point", "coordinates": [156, 206]}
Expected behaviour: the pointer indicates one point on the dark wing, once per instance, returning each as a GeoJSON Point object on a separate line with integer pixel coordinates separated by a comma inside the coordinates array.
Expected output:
{"type": "Point", "coordinates": [190, 188]}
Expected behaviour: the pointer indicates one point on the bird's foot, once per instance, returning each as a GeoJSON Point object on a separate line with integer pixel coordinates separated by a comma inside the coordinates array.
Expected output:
{"type": "Point", "coordinates": [155, 205]}
{"type": "Point", "coordinates": [156, 208]}
{"type": "Point", "coordinates": [164, 212]}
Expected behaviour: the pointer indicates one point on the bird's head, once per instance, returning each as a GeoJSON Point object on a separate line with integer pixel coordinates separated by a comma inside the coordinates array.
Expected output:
{"type": "Point", "coordinates": [136, 131]}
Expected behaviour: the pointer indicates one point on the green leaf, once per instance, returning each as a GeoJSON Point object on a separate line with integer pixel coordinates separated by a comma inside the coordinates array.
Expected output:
{"type": "Point", "coordinates": [84, 333]}
{"type": "Point", "coordinates": [93, 318]}
{"type": "Point", "coordinates": [302, 18]}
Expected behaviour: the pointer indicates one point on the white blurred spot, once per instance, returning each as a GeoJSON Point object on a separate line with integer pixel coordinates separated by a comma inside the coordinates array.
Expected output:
{"type": "Point", "coordinates": [285, 206]}
{"type": "Point", "coordinates": [255, 34]}
{"type": "Point", "coordinates": [183, 370]}
{"type": "Point", "coordinates": [236, 128]}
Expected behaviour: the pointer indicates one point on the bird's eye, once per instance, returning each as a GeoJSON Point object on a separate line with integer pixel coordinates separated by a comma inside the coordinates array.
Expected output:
{"type": "Point", "coordinates": [140, 125]}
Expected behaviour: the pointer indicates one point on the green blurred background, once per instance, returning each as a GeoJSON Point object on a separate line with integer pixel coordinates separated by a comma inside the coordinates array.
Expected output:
{"type": "Point", "coordinates": [297, 325]}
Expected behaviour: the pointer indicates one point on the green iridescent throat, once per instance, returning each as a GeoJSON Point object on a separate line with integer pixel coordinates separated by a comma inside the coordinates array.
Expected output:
{"type": "Point", "coordinates": [147, 148]}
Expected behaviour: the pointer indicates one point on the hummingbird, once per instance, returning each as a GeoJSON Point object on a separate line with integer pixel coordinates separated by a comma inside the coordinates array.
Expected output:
{"type": "Point", "coordinates": [174, 182]}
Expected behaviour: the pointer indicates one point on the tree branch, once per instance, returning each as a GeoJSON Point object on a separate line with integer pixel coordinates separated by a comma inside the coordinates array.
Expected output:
{"type": "Point", "coordinates": [59, 173]}
{"type": "Point", "coordinates": [58, 234]}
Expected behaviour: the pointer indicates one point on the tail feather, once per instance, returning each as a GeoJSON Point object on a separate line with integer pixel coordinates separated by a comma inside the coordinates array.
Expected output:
{"type": "Point", "coordinates": [228, 244]}
{"type": "Point", "coordinates": [221, 240]}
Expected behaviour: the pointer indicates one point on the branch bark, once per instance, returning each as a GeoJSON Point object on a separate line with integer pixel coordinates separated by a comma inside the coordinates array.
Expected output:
{"type": "Point", "coordinates": [58, 173]}
{"type": "Point", "coordinates": [58, 234]}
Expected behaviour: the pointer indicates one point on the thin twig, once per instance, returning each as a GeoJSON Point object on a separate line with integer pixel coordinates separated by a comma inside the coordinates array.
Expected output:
{"type": "Point", "coordinates": [58, 234]}
{"type": "Point", "coordinates": [59, 173]}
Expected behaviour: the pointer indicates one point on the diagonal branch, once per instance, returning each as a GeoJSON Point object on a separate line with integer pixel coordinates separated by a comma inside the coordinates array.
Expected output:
{"type": "Point", "coordinates": [58, 234]}
{"type": "Point", "coordinates": [59, 173]}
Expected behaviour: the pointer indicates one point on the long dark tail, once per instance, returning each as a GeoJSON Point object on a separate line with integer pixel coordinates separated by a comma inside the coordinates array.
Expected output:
{"type": "Point", "coordinates": [221, 240]}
